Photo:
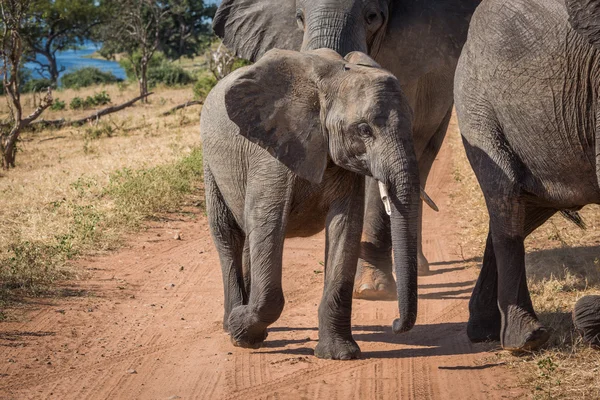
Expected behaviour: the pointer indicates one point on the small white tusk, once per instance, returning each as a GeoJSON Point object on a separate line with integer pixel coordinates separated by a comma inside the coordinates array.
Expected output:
{"type": "Point", "coordinates": [383, 192]}
{"type": "Point", "coordinates": [428, 201]}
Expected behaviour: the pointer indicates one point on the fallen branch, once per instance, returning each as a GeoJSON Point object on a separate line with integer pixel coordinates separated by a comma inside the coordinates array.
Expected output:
{"type": "Point", "coordinates": [184, 105]}
{"type": "Point", "coordinates": [51, 138]}
{"type": "Point", "coordinates": [58, 123]}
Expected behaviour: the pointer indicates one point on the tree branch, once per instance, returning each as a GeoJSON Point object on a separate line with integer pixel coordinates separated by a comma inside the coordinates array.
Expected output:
{"type": "Point", "coordinates": [58, 123]}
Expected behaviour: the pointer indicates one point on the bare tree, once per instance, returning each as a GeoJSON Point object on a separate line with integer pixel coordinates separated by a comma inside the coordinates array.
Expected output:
{"type": "Point", "coordinates": [14, 13]}
{"type": "Point", "coordinates": [221, 62]}
{"type": "Point", "coordinates": [136, 30]}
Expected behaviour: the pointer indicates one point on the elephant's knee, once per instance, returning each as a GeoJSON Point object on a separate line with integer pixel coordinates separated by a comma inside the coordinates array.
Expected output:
{"type": "Point", "coordinates": [270, 305]}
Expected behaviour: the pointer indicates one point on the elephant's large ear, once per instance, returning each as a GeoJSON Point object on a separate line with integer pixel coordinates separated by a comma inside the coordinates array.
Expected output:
{"type": "Point", "coordinates": [584, 16]}
{"type": "Point", "coordinates": [251, 27]}
{"type": "Point", "coordinates": [275, 103]}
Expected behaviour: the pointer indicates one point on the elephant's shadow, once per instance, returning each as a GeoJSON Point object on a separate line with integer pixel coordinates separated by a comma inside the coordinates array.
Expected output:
{"type": "Point", "coordinates": [422, 341]}
{"type": "Point", "coordinates": [580, 263]}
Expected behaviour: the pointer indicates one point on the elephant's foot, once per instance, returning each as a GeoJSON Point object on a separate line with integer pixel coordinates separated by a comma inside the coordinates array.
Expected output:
{"type": "Point", "coordinates": [337, 349]}
{"type": "Point", "coordinates": [371, 283]}
{"type": "Point", "coordinates": [245, 328]}
{"type": "Point", "coordinates": [483, 328]}
{"type": "Point", "coordinates": [522, 331]}
{"type": "Point", "coordinates": [422, 265]}
{"type": "Point", "coordinates": [586, 318]}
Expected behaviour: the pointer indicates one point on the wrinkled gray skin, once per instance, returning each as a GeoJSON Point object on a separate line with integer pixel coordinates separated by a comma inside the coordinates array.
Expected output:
{"type": "Point", "coordinates": [286, 147]}
{"type": "Point", "coordinates": [586, 318]}
{"type": "Point", "coordinates": [419, 41]}
{"type": "Point", "coordinates": [527, 96]}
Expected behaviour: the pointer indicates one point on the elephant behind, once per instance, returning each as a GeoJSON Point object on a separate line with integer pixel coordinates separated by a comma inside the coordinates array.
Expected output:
{"type": "Point", "coordinates": [287, 143]}
{"type": "Point", "coordinates": [527, 93]}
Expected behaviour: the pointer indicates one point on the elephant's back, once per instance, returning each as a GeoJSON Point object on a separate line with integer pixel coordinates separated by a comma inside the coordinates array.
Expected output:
{"type": "Point", "coordinates": [523, 87]}
{"type": "Point", "coordinates": [510, 36]}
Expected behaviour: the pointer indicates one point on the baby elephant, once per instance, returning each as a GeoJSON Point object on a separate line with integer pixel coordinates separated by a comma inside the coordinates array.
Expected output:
{"type": "Point", "coordinates": [287, 143]}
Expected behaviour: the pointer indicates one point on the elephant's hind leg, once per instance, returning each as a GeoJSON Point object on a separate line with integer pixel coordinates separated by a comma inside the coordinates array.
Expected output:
{"type": "Point", "coordinates": [520, 328]}
{"type": "Point", "coordinates": [374, 279]}
{"type": "Point", "coordinates": [229, 241]}
{"type": "Point", "coordinates": [484, 315]}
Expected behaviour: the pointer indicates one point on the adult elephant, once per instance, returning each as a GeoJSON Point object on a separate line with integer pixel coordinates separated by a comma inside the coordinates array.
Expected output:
{"type": "Point", "coordinates": [528, 105]}
{"type": "Point", "coordinates": [419, 41]}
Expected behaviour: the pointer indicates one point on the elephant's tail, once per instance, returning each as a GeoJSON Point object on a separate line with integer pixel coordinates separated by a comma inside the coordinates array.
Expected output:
{"type": "Point", "coordinates": [574, 217]}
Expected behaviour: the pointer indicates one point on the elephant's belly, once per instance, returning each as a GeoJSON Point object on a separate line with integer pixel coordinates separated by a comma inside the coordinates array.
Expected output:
{"type": "Point", "coordinates": [303, 223]}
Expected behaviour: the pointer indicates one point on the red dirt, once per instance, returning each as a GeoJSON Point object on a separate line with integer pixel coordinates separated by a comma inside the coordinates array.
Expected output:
{"type": "Point", "coordinates": [147, 325]}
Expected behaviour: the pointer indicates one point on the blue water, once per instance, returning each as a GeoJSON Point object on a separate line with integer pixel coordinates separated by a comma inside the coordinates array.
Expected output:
{"type": "Point", "coordinates": [76, 59]}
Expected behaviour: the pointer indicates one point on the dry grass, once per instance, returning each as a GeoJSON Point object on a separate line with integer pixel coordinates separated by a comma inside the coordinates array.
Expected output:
{"type": "Point", "coordinates": [562, 266]}
{"type": "Point", "coordinates": [66, 195]}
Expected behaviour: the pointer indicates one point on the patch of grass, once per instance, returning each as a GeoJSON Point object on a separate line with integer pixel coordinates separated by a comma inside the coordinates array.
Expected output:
{"type": "Point", "coordinates": [139, 194]}
{"type": "Point", "coordinates": [95, 217]}
{"type": "Point", "coordinates": [30, 267]}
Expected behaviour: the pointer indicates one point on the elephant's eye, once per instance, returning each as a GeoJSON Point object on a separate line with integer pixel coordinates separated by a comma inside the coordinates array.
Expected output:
{"type": "Point", "coordinates": [300, 19]}
{"type": "Point", "coordinates": [365, 130]}
{"type": "Point", "coordinates": [371, 17]}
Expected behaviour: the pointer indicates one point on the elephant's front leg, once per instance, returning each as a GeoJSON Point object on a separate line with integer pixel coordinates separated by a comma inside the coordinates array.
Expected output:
{"type": "Point", "coordinates": [266, 219]}
{"type": "Point", "coordinates": [343, 230]}
{"type": "Point", "coordinates": [374, 279]}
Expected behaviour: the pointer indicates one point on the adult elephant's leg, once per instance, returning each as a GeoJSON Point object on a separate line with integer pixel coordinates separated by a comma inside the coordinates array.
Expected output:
{"type": "Point", "coordinates": [343, 230]}
{"type": "Point", "coordinates": [229, 241]}
{"type": "Point", "coordinates": [484, 315]}
{"type": "Point", "coordinates": [520, 328]}
{"type": "Point", "coordinates": [426, 159]}
{"type": "Point", "coordinates": [374, 279]}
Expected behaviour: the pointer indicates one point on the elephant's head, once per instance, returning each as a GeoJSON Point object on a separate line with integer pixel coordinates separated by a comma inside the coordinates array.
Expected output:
{"type": "Point", "coordinates": [308, 108]}
{"type": "Point", "coordinates": [252, 27]}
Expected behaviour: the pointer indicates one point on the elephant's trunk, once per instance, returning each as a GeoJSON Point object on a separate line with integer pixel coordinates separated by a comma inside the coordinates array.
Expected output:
{"type": "Point", "coordinates": [404, 193]}
{"type": "Point", "coordinates": [333, 29]}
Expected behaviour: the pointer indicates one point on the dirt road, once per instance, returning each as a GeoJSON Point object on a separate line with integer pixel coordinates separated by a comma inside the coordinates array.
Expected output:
{"type": "Point", "coordinates": [147, 325]}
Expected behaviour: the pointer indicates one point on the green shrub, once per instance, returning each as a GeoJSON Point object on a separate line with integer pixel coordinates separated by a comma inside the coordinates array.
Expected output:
{"type": "Point", "coordinates": [58, 105]}
{"type": "Point", "coordinates": [88, 76]}
{"type": "Point", "coordinates": [157, 59]}
{"type": "Point", "coordinates": [168, 74]}
{"type": "Point", "coordinates": [205, 82]}
{"type": "Point", "coordinates": [239, 63]}
{"type": "Point", "coordinates": [36, 85]}
{"type": "Point", "coordinates": [143, 193]}
{"type": "Point", "coordinates": [76, 103]}
{"type": "Point", "coordinates": [31, 266]}
{"type": "Point", "coordinates": [97, 99]}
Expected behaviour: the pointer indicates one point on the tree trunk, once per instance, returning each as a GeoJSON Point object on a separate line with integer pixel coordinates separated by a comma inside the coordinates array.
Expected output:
{"type": "Point", "coordinates": [8, 141]}
{"type": "Point", "coordinates": [144, 79]}
{"type": "Point", "coordinates": [9, 148]}
{"type": "Point", "coordinates": [53, 68]}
